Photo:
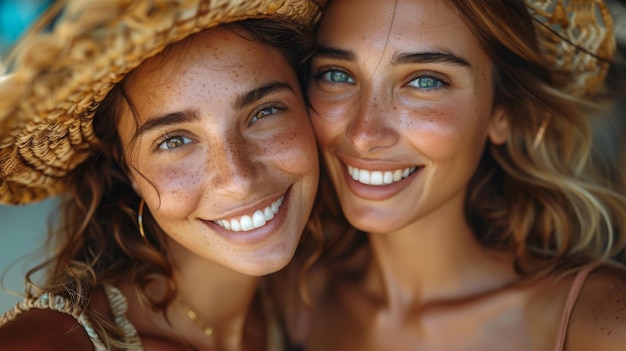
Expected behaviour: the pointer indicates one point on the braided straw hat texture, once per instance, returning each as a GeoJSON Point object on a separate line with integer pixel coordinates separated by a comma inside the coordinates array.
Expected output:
{"type": "Point", "coordinates": [576, 36]}
{"type": "Point", "coordinates": [65, 66]}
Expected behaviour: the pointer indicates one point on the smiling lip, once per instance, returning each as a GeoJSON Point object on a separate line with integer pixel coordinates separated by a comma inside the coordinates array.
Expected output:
{"type": "Point", "coordinates": [378, 184]}
{"type": "Point", "coordinates": [382, 178]}
{"type": "Point", "coordinates": [256, 235]}
{"type": "Point", "coordinates": [255, 220]}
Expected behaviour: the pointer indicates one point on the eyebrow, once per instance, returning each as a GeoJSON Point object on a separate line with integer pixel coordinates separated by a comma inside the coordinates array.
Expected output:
{"type": "Point", "coordinates": [332, 53]}
{"type": "Point", "coordinates": [398, 58]}
{"type": "Point", "coordinates": [428, 57]}
{"type": "Point", "coordinates": [168, 119]}
{"type": "Point", "coordinates": [187, 116]}
{"type": "Point", "coordinates": [253, 95]}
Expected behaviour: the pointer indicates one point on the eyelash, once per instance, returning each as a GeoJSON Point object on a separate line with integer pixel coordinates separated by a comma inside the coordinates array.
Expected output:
{"type": "Point", "coordinates": [178, 134]}
{"type": "Point", "coordinates": [273, 104]}
{"type": "Point", "coordinates": [441, 80]}
{"type": "Point", "coordinates": [165, 137]}
{"type": "Point", "coordinates": [320, 76]}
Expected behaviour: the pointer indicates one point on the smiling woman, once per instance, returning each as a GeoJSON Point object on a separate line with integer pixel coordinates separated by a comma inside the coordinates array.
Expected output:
{"type": "Point", "coordinates": [455, 137]}
{"type": "Point", "coordinates": [198, 165]}
{"type": "Point", "coordinates": [186, 166]}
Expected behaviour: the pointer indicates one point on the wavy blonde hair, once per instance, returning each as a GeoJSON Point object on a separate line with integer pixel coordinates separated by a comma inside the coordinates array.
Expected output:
{"type": "Point", "coordinates": [539, 195]}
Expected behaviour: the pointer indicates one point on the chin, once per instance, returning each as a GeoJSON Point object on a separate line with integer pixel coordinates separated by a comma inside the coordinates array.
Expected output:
{"type": "Point", "coordinates": [373, 228]}
{"type": "Point", "coordinates": [266, 262]}
{"type": "Point", "coordinates": [263, 268]}
{"type": "Point", "coordinates": [375, 223]}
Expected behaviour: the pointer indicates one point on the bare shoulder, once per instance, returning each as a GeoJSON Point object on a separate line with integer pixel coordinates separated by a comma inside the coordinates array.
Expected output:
{"type": "Point", "coordinates": [47, 330]}
{"type": "Point", "coordinates": [598, 321]}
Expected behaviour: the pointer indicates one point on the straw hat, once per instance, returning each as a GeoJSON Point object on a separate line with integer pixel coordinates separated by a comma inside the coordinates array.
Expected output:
{"type": "Point", "coordinates": [576, 36]}
{"type": "Point", "coordinates": [59, 76]}
{"type": "Point", "coordinates": [65, 66]}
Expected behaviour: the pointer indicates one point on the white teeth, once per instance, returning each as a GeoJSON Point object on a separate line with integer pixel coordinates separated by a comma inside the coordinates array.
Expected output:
{"type": "Point", "coordinates": [364, 177]}
{"type": "Point", "coordinates": [397, 175]}
{"type": "Point", "coordinates": [235, 226]}
{"type": "Point", "coordinates": [376, 178]}
{"type": "Point", "coordinates": [388, 178]}
{"type": "Point", "coordinates": [246, 223]}
{"type": "Point", "coordinates": [379, 177]}
{"type": "Point", "coordinates": [268, 213]}
{"type": "Point", "coordinates": [258, 219]}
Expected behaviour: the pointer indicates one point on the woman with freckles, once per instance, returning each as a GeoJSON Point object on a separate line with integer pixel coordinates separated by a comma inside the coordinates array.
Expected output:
{"type": "Point", "coordinates": [457, 146]}
{"type": "Point", "coordinates": [178, 138]}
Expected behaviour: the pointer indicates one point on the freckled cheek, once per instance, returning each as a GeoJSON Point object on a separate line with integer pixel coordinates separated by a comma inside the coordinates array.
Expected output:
{"type": "Point", "coordinates": [176, 188]}
{"type": "Point", "coordinates": [293, 151]}
{"type": "Point", "coordinates": [330, 108]}
{"type": "Point", "coordinates": [324, 130]}
{"type": "Point", "coordinates": [330, 120]}
{"type": "Point", "coordinates": [438, 131]}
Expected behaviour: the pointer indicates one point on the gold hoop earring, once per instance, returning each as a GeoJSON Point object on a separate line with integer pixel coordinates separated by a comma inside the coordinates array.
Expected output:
{"type": "Point", "coordinates": [140, 220]}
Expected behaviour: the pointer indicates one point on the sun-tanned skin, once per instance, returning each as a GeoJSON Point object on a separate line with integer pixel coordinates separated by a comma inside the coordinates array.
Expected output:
{"type": "Point", "coordinates": [402, 101]}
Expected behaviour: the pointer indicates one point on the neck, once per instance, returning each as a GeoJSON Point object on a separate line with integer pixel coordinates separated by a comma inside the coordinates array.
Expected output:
{"type": "Point", "coordinates": [220, 297]}
{"type": "Point", "coordinates": [434, 259]}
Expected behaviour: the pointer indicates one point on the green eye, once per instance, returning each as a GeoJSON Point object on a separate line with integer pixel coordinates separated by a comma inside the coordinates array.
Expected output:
{"type": "Point", "coordinates": [173, 143]}
{"type": "Point", "coordinates": [336, 76]}
{"type": "Point", "coordinates": [264, 113]}
{"type": "Point", "coordinates": [426, 83]}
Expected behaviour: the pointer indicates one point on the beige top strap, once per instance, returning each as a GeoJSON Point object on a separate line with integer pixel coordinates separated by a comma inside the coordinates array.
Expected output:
{"type": "Point", "coordinates": [574, 291]}
{"type": "Point", "coordinates": [119, 307]}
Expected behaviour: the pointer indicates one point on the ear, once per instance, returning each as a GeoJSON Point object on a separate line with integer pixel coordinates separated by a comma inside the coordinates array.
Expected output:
{"type": "Point", "coordinates": [133, 184]}
{"type": "Point", "coordinates": [498, 128]}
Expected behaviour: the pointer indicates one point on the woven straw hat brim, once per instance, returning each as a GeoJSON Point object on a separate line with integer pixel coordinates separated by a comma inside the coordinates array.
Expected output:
{"type": "Point", "coordinates": [578, 37]}
{"type": "Point", "coordinates": [59, 75]}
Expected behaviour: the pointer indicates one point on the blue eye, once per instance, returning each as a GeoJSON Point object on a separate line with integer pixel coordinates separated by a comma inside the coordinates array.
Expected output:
{"type": "Point", "coordinates": [426, 83]}
{"type": "Point", "coordinates": [336, 76]}
{"type": "Point", "coordinates": [174, 142]}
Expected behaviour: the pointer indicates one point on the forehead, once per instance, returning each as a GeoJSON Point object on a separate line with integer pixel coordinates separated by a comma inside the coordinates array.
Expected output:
{"type": "Point", "coordinates": [216, 50]}
{"type": "Point", "coordinates": [398, 25]}
{"type": "Point", "coordinates": [214, 65]}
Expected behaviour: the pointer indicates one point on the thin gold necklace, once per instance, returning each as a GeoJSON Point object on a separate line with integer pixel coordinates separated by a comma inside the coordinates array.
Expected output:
{"type": "Point", "coordinates": [206, 329]}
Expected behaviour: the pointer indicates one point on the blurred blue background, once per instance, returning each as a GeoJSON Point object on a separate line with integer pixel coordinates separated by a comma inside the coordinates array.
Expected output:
{"type": "Point", "coordinates": [22, 233]}
{"type": "Point", "coordinates": [15, 15]}
{"type": "Point", "coordinates": [22, 229]}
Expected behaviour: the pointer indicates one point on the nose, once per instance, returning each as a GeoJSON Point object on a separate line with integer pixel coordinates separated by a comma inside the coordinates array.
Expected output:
{"type": "Point", "coordinates": [372, 124]}
{"type": "Point", "coordinates": [231, 167]}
